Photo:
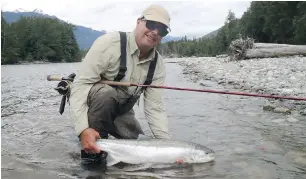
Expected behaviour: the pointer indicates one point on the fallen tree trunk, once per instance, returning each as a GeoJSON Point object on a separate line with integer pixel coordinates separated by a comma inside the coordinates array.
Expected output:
{"type": "Point", "coordinates": [275, 52]}
{"type": "Point", "coordinates": [270, 45]}
{"type": "Point", "coordinates": [241, 49]}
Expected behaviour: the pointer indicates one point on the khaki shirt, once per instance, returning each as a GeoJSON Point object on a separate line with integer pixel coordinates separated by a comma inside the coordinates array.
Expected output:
{"type": "Point", "coordinates": [103, 60]}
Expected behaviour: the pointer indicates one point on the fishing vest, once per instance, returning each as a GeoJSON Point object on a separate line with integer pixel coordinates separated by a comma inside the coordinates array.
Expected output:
{"type": "Point", "coordinates": [123, 68]}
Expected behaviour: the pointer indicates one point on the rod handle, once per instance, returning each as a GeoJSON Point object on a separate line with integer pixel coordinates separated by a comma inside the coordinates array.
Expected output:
{"type": "Point", "coordinates": [54, 78]}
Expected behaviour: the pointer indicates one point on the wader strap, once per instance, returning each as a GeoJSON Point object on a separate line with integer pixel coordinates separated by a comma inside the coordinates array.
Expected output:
{"type": "Point", "coordinates": [122, 68]}
{"type": "Point", "coordinates": [151, 70]}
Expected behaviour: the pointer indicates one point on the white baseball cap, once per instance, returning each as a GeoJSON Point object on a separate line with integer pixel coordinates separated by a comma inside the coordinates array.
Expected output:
{"type": "Point", "coordinates": [157, 13]}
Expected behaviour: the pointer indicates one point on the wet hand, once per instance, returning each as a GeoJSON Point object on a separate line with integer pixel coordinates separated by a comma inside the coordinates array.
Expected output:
{"type": "Point", "coordinates": [88, 140]}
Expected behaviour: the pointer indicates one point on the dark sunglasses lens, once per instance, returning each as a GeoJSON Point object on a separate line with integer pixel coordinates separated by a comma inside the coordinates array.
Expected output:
{"type": "Point", "coordinates": [162, 30]}
{"type": "Point", "coordinates": [150, 25]}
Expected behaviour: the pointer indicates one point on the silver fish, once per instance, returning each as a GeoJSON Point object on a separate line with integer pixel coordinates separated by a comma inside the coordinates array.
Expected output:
{"type": "Point", "coordinates": [154, 151]}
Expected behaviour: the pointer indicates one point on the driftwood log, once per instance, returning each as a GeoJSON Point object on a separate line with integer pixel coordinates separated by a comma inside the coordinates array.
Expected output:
{"type": "Point", "coordinates": [241, 49]}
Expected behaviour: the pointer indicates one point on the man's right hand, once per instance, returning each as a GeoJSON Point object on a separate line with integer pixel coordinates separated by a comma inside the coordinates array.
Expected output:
{"type": "Point", "coordinates": [88, 140]}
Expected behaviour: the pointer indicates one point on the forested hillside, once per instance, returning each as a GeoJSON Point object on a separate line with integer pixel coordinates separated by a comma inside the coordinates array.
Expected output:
{"type": "Point", "coordinates": [38, 39]}
{"type": "Point", "coordinates": [264, 21]}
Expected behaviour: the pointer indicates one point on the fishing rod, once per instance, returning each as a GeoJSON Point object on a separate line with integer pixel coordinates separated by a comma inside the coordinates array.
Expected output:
{"type": "Point", "coordinates": [128, 84]}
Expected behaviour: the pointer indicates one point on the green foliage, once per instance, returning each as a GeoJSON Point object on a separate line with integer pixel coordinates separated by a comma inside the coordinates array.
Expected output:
{"type": "Point", "coordinates": [299, 24]}
{"type": "Point", "coordinates": [38, 39]}
{"type": "Point", "coordinates": [264, 21]}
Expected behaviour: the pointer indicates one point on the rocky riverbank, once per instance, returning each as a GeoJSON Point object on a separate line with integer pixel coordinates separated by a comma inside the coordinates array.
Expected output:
{"type": "Point", "coordinates": [284, 76]}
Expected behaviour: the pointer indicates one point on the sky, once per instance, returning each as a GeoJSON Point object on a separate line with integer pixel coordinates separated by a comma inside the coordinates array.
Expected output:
{"type": "Point", "coordinates": [190, 18]}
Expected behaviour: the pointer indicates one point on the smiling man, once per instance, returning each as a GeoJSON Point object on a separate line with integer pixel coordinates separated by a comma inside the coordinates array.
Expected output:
{"type": "Point", "coordinates": [100, 110]}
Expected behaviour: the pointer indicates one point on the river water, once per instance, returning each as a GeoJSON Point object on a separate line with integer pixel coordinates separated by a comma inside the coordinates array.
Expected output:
{"type": "Point", "coordinates": [38, 142]}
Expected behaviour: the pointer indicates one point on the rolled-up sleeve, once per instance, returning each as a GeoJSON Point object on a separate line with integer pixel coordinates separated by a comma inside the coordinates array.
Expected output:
{"type": "Point", "coordinates": [92, 67]}
{"type": "Point", "coordinates": [154, 108]}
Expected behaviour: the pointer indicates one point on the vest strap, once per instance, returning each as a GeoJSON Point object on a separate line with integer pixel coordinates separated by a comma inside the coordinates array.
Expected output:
{"type": "Point", "coordinates": [122, 68]}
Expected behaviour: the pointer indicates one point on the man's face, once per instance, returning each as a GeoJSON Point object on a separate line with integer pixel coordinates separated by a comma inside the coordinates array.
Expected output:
{"type": "Point", "coordinates": [145, 37]}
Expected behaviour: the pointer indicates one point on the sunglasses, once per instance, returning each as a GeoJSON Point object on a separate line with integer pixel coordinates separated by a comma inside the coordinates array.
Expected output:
{"type": "Point", "coordinates": [161, 28]}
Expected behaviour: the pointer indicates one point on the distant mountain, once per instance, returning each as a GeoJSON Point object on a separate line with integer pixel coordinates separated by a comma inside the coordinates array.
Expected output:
{"type": "Point", "coordinates": [85, 36]}
{"type": "Point", "coordinates": [170, 38]}
{"type": "Point", "coordinates": [15, 15]}
{"type": "Point", "coordinates": [211, 34]}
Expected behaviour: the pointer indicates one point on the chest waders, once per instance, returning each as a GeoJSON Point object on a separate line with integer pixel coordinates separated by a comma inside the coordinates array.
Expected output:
{"type": "Point", "coordinates": [63, 85]}
{"type": "Point", "coordinates": [111, 107]}
{"type": "Point", "coordinates": [130, 102]}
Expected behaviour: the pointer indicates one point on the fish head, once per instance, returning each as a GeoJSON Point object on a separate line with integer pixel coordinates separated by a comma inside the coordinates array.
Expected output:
{"type": "Point", "coordinates": [202, 154]}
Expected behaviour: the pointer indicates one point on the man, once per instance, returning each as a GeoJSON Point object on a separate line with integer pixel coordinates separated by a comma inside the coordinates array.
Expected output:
{"type": "Point", "coordinates": [100, 109]}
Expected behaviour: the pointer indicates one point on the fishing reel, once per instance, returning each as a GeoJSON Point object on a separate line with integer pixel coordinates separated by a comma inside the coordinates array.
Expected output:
{"type": "Point", "coordinates": [63, 88]}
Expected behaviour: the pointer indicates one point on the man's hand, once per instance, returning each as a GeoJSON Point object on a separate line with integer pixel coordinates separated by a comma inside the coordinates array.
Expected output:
{"type": "Point", "coordinates": [88, 140]}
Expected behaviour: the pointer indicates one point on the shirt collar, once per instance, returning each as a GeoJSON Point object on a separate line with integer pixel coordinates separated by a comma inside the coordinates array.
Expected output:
{"type": "Point", "coordinates": [134, 48]}
{"type": "Point", "coordinates": [133, 44]}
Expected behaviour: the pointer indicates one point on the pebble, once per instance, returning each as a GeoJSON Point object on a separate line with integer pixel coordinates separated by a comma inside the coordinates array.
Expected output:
{"type": "Point", "coordinates": [268, 107]}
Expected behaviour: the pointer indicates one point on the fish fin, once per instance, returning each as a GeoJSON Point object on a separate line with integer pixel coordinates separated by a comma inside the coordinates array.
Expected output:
{"type": "Point", "coordinates": [138, 167]}
{"type": "Point", "coordinates": [144, 137]}
{"type": "Point", "coordinates": [110, 160]}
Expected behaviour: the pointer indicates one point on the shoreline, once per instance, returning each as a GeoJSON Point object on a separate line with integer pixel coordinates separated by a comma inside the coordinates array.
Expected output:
{"type": "Point", "coordinates": [285, 76]}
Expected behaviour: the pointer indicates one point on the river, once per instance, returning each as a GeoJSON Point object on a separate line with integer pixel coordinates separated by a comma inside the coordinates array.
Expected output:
{"type": "Point", "coordinates": [38, 142]}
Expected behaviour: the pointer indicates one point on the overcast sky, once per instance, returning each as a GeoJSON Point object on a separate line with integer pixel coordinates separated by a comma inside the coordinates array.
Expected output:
{"type": "Point", "coordinates": [191, 18]}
